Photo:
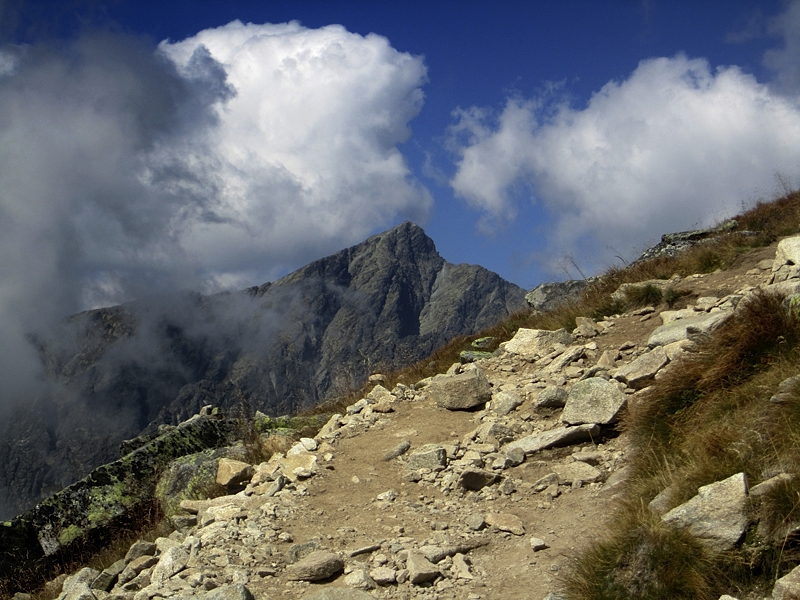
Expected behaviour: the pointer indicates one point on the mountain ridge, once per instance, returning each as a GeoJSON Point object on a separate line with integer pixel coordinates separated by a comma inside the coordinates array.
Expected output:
{"type": "Point", "coordinates": [122, 371]}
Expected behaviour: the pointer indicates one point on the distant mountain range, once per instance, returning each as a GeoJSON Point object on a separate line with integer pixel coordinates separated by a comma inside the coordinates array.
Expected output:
{"type": "Point", "coordinates": [120, 372]}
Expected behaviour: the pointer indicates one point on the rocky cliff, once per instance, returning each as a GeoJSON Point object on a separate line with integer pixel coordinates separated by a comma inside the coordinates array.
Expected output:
{"type": "Point", "coordinates": [115, 373]}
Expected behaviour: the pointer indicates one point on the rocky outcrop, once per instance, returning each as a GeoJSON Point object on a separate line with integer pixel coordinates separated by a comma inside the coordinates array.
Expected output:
{"type": "Point", "coordinates": [672, 244]}
{"type": "Point", "coordinates": [552, 295]}
{"type": "Point", "coordinates": [120, 372]}
{"type": "Point", "coordinates": [112, 494]}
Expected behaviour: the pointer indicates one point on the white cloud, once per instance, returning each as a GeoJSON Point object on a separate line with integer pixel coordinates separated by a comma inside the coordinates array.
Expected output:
{"type": "Point", "coordinates": [674, 146]}
{"type": "Point", "coordinates": [307, 147]}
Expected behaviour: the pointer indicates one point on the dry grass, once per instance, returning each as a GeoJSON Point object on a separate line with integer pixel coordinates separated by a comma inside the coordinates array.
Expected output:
{"type": "Point", "coordinates": [709, 418]}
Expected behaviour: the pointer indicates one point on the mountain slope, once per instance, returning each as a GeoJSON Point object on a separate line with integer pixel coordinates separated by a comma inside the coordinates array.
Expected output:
{"type": "Point", "coordinates": [118, 372]}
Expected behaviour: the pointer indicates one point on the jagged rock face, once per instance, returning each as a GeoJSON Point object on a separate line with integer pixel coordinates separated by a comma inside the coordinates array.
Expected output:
{"type": "Point", "coordinates": [118, 372]}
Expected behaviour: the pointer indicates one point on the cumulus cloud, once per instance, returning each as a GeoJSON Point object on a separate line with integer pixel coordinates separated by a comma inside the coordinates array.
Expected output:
{"type": "Point", "coordinates": [308, 145]}
{"type": "Point", "coordinates": [216, 161]}
{"type": "Point", "coordinates": [676, 145]}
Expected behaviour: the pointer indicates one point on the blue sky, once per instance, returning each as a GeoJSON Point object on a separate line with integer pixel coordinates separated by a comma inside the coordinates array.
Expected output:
{"type": "Point", "coordinates": [149, 145]}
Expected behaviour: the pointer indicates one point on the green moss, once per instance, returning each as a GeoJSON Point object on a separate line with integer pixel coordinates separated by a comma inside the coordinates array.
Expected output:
{"type": "Point", "coordinates": [70, 534]}
{"type": "Point", "coordinates": [109, 501]}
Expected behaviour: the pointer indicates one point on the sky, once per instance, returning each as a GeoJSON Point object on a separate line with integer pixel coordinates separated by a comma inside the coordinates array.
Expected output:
{"type": "Point", "coordinates": [209, 145]}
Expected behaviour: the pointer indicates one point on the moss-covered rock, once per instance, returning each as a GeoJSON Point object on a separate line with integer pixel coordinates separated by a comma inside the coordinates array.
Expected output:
{"type": "Point", "coordinates": [193, 477]}
{"type": "Point", "coordinates": [87, 511]}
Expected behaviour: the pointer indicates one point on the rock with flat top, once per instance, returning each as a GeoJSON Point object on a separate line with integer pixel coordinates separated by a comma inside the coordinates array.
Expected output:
{"type": "Point", "coordinates": [641, 372]}
{"type": "Point", "coordinates": [316, 566]}
{"type": "Point", "coordinates": [717, 515]}
{"type": "Point", "coordinates": [462, 391]}
{"type": "Point", "coordinates": [230, 592]}
{"type": "Point", "coordinates": [593, 400]}
{"type": "Point", "coordinates": [337, 594]}
{"type": "Point", "coordinates": [233, 472]}
{"type": "Point", "coordinates": [534, 343]}
{"type": "Point", "coordinates": [561, 436]}
{"type": "Point", "coordinates": [684, 329]}
{"type": "Point", "coordinates": [506, 522]}
{"type": "Point", "coordinates": [420, 569]}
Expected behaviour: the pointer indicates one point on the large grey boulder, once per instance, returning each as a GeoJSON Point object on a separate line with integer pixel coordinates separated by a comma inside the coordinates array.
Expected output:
{"type": "Point", "coordinates": [561, 436]}
{"type": "Point", "coordinates": [536, 342]}
{"type": "Point", "coordinates": [717, 515]}
{"type": "Point", "coordinates": [462, 391]}
{"type": "Point", "coordinates": [639, 373]}
{"type": "Point", "coordinates": [593, 400]}
{"type": "Point", "coordinates": [787, 260]}
{"type": "Point", "coordinates": [684, 329]}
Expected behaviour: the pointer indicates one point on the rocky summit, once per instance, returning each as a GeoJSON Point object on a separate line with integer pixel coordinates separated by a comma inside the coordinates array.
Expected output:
{"type": "Point", "coordinates": [121, 372]}
{"type": "Point", "coordinates": [410, 494]}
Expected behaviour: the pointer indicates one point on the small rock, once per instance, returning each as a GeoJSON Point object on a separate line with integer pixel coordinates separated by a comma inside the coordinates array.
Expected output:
{"type": "Point", "coordinates": [476, 479]}
{"type": "Point", "coordinates": [398, 450]}
{"type": "Point", "coordinates": [383, 575]}
{"type": "Point", "coordinates": [360, 579]}
{"type": "Point", "coordinates": [475, 522]}
{"type": "Point", "coordinates": [538, 544]}
{"type": "Point", "coordinates": [506, 522]}
{"type": "Point", "coordinates": [420, 569]}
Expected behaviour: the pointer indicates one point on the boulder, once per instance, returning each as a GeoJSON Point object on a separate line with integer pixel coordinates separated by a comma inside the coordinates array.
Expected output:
{"type": "Point", "coordinates": [593, 400]}
{"type": "Point", "coordinates": [551, 397]}
{"type": "Point", "coordinates": [316, 566]}
{"type": "Point", "coordinates": [684, 329]}
{"type": "Point", "coordinates": [506, 522]}
{"type": "Point", "coordinates": [787, 260]}
{"type": "Point", "coordinates": [476, 479]}
{"type": "Point", "coordinates": [461, 392]}
{"type": "Point", "coordinates": [562, 436]}
{"type": "Point", "coordinates": [430, 456]}
{"type": "Point", "coordinates": [551, 295]}
{"type": "Point", "coordinates": [233, 472]}
{"type": "Point", "coordinates": [577, 471]}
{"type": "Point", "coordinates": [717, 515]}
{"type": "Point", "coordinates": [536, 342]}
{"type": "Point", "coordinates": [504, 402]}
{"type": "Point", "coordinates": [171, 562]}
{"type": "Point", "coordinates": [640, 373]}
